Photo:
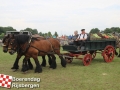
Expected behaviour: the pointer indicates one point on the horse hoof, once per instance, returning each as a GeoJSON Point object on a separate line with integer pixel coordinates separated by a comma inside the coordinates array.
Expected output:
{"type": "Point", "coordinates": [24, 70]}
{"type": "Point", "coordinates": [15, 68]}
{"type": "Point", "coordinates": [64, 66]}
{"type": "Point", "coordinates": [52, 67]}
{"type": "Point", "coordinates": [38, 71]}
{"type": "Point", "coordinates": [43, 65]}
{"type": "Point", "coordinates": [31, 68]}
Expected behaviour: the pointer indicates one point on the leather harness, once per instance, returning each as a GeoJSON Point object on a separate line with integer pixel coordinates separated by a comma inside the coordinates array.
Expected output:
{"type": "Point", "coordinates": [28, 45]}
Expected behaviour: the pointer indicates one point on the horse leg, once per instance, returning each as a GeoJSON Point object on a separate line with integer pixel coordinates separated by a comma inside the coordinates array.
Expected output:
{"type": "Point", "coordinates": [116, 53]}
{"type": "Point", "coordinates": [63, 61]}
{"type": "Point", "coordinates": [30, 64]}
{"type": "Point", "coordinates": [38, 66]}
{"type": "Point", "coordinates": [15, 65]}
{"type": "Point", "coordinates": [53, 64]}
{"type": "Point", "coordinates": [44, 61]}
{"type": "Point", "coordinates": [49, 59]}
{"type": "Point", "coordinates": [25, 66]}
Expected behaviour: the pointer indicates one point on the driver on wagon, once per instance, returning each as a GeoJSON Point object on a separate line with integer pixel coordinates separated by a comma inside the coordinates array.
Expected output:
{"type": "Point", "coordinates": [83, 36]}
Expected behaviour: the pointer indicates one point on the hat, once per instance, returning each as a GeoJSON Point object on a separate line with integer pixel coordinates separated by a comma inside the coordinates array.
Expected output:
{"type": "Point", "coordinates": [82, 29]}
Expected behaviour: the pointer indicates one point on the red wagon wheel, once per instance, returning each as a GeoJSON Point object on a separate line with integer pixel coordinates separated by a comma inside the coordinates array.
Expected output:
{"type": "Point", "coordinates": [68, 60]}
{"type": "Point", "coordinates": [108, 53]}
{"type": "Point", "coordinates": [87, 59]}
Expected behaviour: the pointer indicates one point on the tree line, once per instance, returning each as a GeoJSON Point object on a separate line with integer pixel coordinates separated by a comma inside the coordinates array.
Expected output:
{"type": "Point", "coordinates": [107, 30]}
{"type": "Point", "coordinates": [33, 31]}
{"type": "Point", "coordinates": [49, 34]}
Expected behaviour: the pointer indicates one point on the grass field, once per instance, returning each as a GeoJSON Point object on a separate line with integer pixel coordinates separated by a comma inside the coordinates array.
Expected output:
{"type": "Point", "coordinates": [97, 76]}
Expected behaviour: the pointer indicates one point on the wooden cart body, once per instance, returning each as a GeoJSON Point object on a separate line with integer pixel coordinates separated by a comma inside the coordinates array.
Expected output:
{"type": "Point", "coordinates": [89, 50]}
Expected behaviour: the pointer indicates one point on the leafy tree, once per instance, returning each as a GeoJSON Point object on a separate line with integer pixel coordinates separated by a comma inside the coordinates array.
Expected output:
{"type": "Point", "coordinates": [115, 29]}
{"type": "Point", "coordinates": [33, 31]}
{"type": "Point", "coordinates": [40, 33]}
{"type": "Point", "coordinates": [2, 35]}
{"type": "Point", "coordinates": [9, 28]}
{"type": "Point", "coordinates": [107, 30]}
{"type": "Point", "coordinates": [4, 29]}
{"type": "Point", "coordinates": [45, 34]}
{"type": "Point", "coordinates": [94, 30]}
{"type": "Point", "coordinates": [56, 34]}
{"type": "Point", "coordinates": [112, 29]}
{"type": "Point", "coordinates": [49, 34]}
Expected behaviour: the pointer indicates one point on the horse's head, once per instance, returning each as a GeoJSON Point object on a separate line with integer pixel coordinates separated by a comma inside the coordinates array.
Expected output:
{"type": "Point", "coordinates": [18, 43]}
{"type": "Point", "coordinates": [5, 42]}
{"type": "Point", "coordinates": [12, 47]}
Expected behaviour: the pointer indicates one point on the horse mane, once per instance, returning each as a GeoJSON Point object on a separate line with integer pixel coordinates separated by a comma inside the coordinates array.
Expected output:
{"type": "Point", "coordinates": [22, 38]}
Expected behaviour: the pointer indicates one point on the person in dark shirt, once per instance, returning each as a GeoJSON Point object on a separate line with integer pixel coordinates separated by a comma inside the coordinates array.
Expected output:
{"type": "Point", "coordinates": [75, 35]}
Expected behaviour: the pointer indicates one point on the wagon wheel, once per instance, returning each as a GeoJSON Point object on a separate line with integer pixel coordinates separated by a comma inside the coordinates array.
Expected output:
{"type": "Point", "coordinates": [87, 59]}
{"type": "Point", "coordinates": [108, 53]}
{"type": "Point", "coordinates": [68, 60]}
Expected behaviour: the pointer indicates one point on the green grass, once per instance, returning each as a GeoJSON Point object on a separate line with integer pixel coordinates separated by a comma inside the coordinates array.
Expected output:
{"type": "Point", "coordinates": [97, 76]}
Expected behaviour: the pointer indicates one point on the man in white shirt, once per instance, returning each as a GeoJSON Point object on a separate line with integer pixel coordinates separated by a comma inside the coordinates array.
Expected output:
{"type": "Point", "coordinates": [83, 36]}
{"type": "Point", "coordinates": [80, 41]}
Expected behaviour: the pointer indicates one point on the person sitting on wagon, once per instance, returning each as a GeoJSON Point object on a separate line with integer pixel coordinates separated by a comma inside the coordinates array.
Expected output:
{"type": "Point", "coordinates": [76, 34]}
{"type": "Point", "coordinates": [81, 38]}
{"type": "Point", "coordinates": [74, 37]}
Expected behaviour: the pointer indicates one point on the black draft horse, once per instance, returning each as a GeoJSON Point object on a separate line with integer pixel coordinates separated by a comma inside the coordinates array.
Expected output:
{"type": "Point", "coordinates": [6, 41]}
{"type": "Point", "coordinates": [35, 47]}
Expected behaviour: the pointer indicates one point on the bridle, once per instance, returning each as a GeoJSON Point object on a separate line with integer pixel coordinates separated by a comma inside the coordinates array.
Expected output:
{"type": "Point", "coordinates": [8, 40]}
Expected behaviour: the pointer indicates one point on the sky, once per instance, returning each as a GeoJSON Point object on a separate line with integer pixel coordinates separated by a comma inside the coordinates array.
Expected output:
{"type": "Point", "coordinates": [63, 16]}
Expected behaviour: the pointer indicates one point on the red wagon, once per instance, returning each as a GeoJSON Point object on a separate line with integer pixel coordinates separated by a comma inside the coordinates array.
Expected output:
{"type": "Point", "coordinates": [105, 47]}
